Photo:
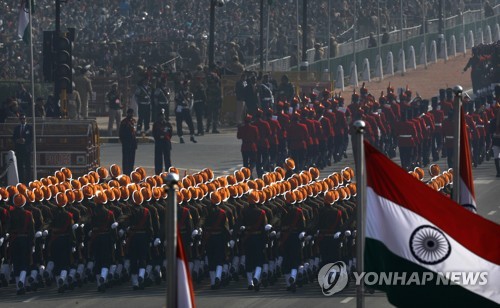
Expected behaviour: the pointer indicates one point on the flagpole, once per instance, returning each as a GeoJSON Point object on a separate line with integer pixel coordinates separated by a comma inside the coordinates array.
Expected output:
{"type": "Point", "coordinates": [171, 238]}
{"type": "Point", "coordinates": [456, 145]}
{"type": "Point", "coordinates": [32, 89]}
{"type": "Point", "coordinates": [359, 159]}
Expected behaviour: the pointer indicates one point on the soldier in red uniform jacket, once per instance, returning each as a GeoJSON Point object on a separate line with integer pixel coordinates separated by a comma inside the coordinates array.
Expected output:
{"type": "Point", "coordinates": [428, 132]}
{"type": "Point", "coordinates": [298, 138]}
{"type": "Point", "coordinates": [274, 140]}
{"type": "Point", "coordinates": [449, 138]}
{"type": "Point", "coordinates": [249, 135]}
{"type": "Point", "coordinates": [437, 136]}
{"type": "Point", "coordinates": [325, 137]}
{"type": "Point", "coordinates": [479, 119]}
{"type": "Point", "coordinates": [284, 120]}
{"type": "Point", "coordinates": [406, 135]}
{"type": "Point", "coordinates": [263, 144]}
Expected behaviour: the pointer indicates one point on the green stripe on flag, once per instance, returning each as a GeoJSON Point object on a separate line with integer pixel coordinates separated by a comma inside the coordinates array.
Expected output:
{"type": "Point", "coordinates": [379, 259]}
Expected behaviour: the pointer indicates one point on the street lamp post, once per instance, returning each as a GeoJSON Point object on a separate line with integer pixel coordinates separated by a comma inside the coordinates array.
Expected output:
{"type": "Point", "coordinates": [211, 50]}
{"type": "Point", "coordinates": [304, 64]}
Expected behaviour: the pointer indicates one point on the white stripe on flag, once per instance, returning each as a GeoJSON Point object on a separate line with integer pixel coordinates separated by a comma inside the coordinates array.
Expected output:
{"type": "Point", "coordinates": [23, 20]}
{"type": "Point", "coordinates": [465, 194]}
{"type": "Point", "coordinates": [183, 292]}
{"type": "Point", "coordinates": [393, 225]}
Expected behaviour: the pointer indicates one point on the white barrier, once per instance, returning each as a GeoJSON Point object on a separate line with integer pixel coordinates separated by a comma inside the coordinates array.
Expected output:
{"type": "Point", "coordinates": [443, 54]}
{"type": "Point", "coordinates": [339, 81]}
{"type": "Point", "coordinates": [462, 46]}
{"type": "Point", "coordinates": [366, 70]}
{"type": "Point", "coordinates": [497, 30]}
{"type": "Point", "coordinates": [379, 69]}
{"type": "Point", "coordinates": [453, 46]}
{"type": "Point", "coordinates": [489, 38]}
{"type": "Point", "coordinates": [470, 40]}
{"type": "Point", "coordinates": [412, 63]}
{"type": "Point", "coordinates": [354, 74]}
{"type": "Point", "coordinates": [423, 54]}
{"type": "Point", "coordinates": [433, 52]}
{"type": "Point", "coordinates": [402, 62]}
{"type": "Point", "coordinates": [389, 70]}
{"type": "Point", "coordinates": [481, 36]}
{"type": "Point", "coordinates": [12, 174]}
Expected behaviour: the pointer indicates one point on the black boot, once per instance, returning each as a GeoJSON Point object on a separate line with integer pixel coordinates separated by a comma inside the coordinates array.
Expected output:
{"type": "Point", "coordinates": [497, 165]}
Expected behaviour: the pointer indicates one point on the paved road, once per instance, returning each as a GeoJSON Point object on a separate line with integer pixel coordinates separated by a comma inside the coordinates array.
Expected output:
{"type": "Point", "coordinates": [221, 153]}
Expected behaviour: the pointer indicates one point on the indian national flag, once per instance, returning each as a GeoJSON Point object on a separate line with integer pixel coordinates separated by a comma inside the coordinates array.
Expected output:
{"type": "Point", "coordinates": [23, 30]}
{"type": "Point", "coordinates": [415, 230]}
{"type": "Point", "coordinates": [467, 196]}
{"type": "Point", "coordinates": [185, 295]}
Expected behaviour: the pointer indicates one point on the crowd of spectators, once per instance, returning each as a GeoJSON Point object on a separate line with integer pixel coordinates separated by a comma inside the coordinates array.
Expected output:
{"type": "Point", "coordinates": [116, 36]}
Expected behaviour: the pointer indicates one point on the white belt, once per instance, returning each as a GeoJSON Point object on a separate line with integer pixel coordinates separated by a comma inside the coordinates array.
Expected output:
{"type": "Point", "coordinates": [481, 126]}
{"type": "Point", "coordinates": [428, 127]}
{"type": "Point", "coordinates": [438, 124]}
{"type": "Point", "coordinates": [450, 137]}
{"type": "Point", "coordinates": [405, 136]}
{"type": "Point", "coordinates": [266, 99]}
{"type": "Point", "coordinates": [446, 117]}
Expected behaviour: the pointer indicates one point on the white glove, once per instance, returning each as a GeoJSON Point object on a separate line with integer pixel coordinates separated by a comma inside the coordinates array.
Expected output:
{"type": "Point", "coordinates": [114, 225]}
{"type": "Point", "coordinates": [157, 242]}
{"type": "Point", "coordinates": [336, 235]}
{"type": "Point", "coordinates": [38, 234]}
{"type": "Point", "coordinates": [272, 234]}
{"type": "Point", "coordinates": [45, 233]}
{"type": "Point", "coordinates": [82, 225]}
{"type": "Point", "coordinates": [82, 245]}
{"type": "Point", "coordinates": [1, 241]}
{"type": "Point", "coordinates": [73, 249]}
{"type": "Point", "coordinates": [90, 233]}
{"type": "Point", "coordinates": [268, 227]}
{"type": "Point", "coordinates": [347, 233]}
{"type": "Point", "coordinates": [121, 233]}
{"type": "Point", "coordinates": [200, 231]}
{"type": "Point", "coordinates": [242, 228]}
{"type": "Point", "coordinates": [74, 227]}
{"type": "Point", "coordinates": [301, 235]}
{"type": "Point", "coordinates": [354, 233]}
{"type": "Point", "coordinates": [231, 243]}
{"type": "Point", "coordinates": [194, 234]}
{"type": "Point", "coordinates": [7, 235]}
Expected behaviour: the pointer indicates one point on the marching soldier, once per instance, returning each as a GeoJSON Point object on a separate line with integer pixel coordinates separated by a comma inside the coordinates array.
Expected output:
{"type": "Point", "coordinates": [263, 144]}
{"type": "Point", "coordinates": [276, 129]}
{"type": "Point", "coordinates": [292, 226]}
{"type": "Point", "coordinates": [22, 233]}
{"type": "Point", "coordinates": [249, 135]}
{"type": "Point", "coordinates": [428, 132]}
{"type": "Point", "coordinates": [61, 241]}
{"type": "Point", "coordinates": [437, 136]}
{"type": "Point", "coordinates": [101, 240]}
{"type": "Point", "coordinates": [407, 135]}
{"type": "Point", "coordinates": [448, 133]}
{"type": "Point", "coordinates": [215, 238]}
{"type": "Point", "coordinates": [298, 138]}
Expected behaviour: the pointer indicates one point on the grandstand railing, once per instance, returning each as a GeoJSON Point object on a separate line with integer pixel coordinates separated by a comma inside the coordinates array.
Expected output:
{"type": "Point", "coordinates": [454, 25]}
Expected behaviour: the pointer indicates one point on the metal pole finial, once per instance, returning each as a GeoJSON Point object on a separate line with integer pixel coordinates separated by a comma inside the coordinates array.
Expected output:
{"type": "Point", "coordinates": [360, 126]}
{"type": "Point", "coordinates": [458, 90]}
